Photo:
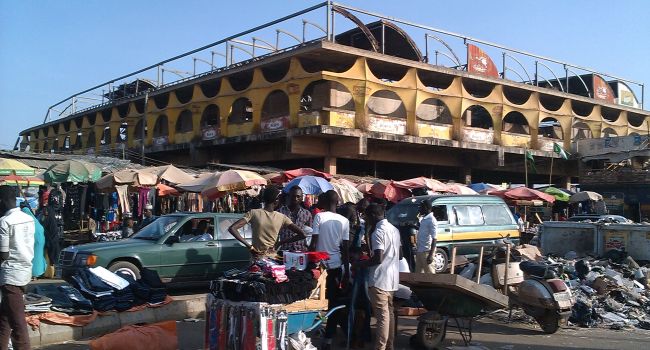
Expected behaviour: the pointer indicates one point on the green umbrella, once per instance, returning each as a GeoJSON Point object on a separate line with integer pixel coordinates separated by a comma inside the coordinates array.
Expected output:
{"type": "Point", "coordinates": [558, 194]}
{"type": "Point", "coordinates": [73, 171]}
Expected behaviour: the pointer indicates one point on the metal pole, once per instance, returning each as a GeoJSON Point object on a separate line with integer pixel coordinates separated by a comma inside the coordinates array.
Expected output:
{"type": "Point", "coordinates": [453, 260]}
{"type": "Point", "coordinates": [304, 26]}
{"type": "Point", "coordinates": [526, 165]}
{"type": "Point", "coordinates": [383, 38]}
{"type": "Point", "coordinates": [480, 266]}
{"type": "Point", "coordinates": [212, 60]}
{"type": "Point", "coordinates": [536, 73]}
{"type": "Point", "coordinates": [436, 57]}
{"type": "Point", "coordinates": [566, 78]}
{"type": "Point", "coordinates": [194, 69]}
{"type": "Point", "coordinates": [158, 75]}
{"type": "Point", "coordinates": [144, 127]}
{"type": "Point", "coordinates": [642, 95]}
{"type": "Point", "coordinates": [550, 176]}
{"type": "Point", "coordinates": [162, 77]}
{"type": "Point", "coordinates": [332, 20]}
{"type": "Point", "coordinates": [505, 276]}
{"type": "Point", "coordinates": [426, 47]}
{"type": "Point", "coordinates": [504, 65]}
{"type": "Point", "coordinates": [328, 10]}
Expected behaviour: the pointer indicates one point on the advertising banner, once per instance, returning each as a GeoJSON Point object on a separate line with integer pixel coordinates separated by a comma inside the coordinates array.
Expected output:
{"type": "Point", "coordinates": [602, 90]}
{"type": "Point", "coordinates": [626, 96]}
{"type": "Point", "coordinates": [480, 63]}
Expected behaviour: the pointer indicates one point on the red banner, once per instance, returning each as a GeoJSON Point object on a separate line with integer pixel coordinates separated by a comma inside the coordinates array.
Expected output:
{"type": "Point", "coordinates": [480, 63]}
{"type": "Point", "coordinates": [602, 90]}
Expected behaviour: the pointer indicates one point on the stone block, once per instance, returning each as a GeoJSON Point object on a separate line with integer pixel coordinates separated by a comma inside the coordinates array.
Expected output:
{"type": "Point", "coordinates": [102, 325]}
{"type": "Point", "coordinates": [195, 308]}
{"type": "Point", "coordinates": [34, 336]}
{"type": "Point", "coordinates": [190, 334]}
{"type": "Point", "coordinates": [53, 333]}
{"type": "Point", "coordinates": [143, 316]}
{"type": "Point", "coordinates": [177, 310]}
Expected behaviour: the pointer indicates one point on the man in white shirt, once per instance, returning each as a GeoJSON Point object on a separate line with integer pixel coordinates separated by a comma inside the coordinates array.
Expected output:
{"type": "Point", "coordinates": [384, 273]}
{"type": "Point", "coordinates": [426, 240]}
{"type": "Point", "coordinates": [331, 234]}
{"type": "Point", "coordinates": [16, 253]}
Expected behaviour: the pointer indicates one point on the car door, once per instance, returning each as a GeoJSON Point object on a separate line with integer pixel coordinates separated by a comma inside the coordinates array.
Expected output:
{"type": "Point", "coordinates": [232, 253]}
{"type": "Point", "coordinates": [189, 260]}
{"type": "Point", "coordinates": [445, 228]}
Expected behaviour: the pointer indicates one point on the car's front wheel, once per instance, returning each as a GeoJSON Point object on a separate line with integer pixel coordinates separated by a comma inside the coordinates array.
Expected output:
{"type": "Point", "coordinates": [125, 267]}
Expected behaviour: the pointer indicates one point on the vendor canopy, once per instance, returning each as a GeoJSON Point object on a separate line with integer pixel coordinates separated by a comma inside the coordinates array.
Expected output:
{"type": "Point", "coordinates": [129, 177]}
{"type": "Point", "coordinates": [558, 194]}
{"type": "Point", "coordinates": [15, 180]}
{"type": "Point", "coordinates": [310, 184]}
{"type": "Point", "coordinates": [484, 188]}
{"type": "Point", "coordinates": [524, 193]}
{"type": "Point", "coordinates": [201, 182]}
{"type": "Point", "coordinates": [233, 180]}
{"type": "Point", "coordinates": [169, 173]}
{"type": "Point", "coordinates": [14, 167]}
{"type": "Point", "coordinates": [421, 182]}
{"type": "Point", "coordinates": [346, 190]}
{"type": "Point", "coordinates": [585, 196]}
{"type": "Point", "coordinates": [389, 191]}
{"type": "Point", "coordinates": [289, 175]}
{"type": "Point", "coordinates": [459, 189]}
{"type": "Point", "coordinates": [73, 171]}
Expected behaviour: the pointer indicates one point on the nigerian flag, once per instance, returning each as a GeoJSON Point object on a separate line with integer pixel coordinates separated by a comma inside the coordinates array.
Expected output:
{"type": "Point", "coordinates": [530, 161]}
{"type": "Point", "coordinates": [560, 151]}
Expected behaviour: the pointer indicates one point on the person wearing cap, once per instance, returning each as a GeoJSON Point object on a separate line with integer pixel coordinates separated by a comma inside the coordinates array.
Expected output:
{"type": "Point", "coordinates": [266, 224]}
{"type": "Point", "coordinates": [127, 225]}
{"type": "Point", "coordinates": [147, 217]}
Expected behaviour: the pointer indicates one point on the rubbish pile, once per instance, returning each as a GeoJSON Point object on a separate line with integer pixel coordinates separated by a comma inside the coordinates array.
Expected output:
{"type": "Point", "coordinates": [612, 292]}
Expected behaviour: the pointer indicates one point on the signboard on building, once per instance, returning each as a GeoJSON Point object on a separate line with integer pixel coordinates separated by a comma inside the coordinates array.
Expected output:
{"type": "Point", "coordinates": [615, 202]}
{"type": "Point", "coordinates": [602, 90]}
{"type": "Point", "coordinates": [274, 124]}
{"type": "Point", "coordinates": [599, 146]}
{"type": "Point", "coordinates": [210, 133]}
{"type": "Point", "coordinates": [389, 125]}
{"type": "Point", "coordinates": [626, 96]}
{"type": "Point", "coordinates": [480, 63]}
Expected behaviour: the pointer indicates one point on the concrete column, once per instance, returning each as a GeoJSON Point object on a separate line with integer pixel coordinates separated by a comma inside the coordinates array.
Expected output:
{"type": "Point", "coordinates": [329, 165]}
{"type": "Point", "coordinates": [466, 175]}
{"type": "Point", "coordinates": [565, 182]}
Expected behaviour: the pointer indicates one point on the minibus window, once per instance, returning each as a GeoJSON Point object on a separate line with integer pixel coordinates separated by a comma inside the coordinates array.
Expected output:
{"type": "Point", "coordinates": [497, 215]}
{"type": "Point", "coordinates": [440, 213]}
{"type": "Point", "coordinates": [468, 215]}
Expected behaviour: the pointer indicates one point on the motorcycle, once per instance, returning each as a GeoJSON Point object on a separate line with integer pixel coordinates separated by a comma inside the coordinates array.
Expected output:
{"type": "Point", "coordinates": [536, 288]}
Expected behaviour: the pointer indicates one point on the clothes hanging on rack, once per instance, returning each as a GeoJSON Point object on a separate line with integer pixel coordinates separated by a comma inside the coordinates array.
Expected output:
{"type": "Point", "coordinates": [122, 194]}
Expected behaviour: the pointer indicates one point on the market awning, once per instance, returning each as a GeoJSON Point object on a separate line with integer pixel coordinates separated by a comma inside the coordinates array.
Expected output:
{"type": "Point", "coordinates": [165, 190]}
{"type": "Point", "coordinates": [558, 194]}
{"type": "Point", "coordinates": [289, 175]}
{"type": "Point", "coordinates": [73, 171]}
{"type": "Point", "coordinates": [389, 191]}
{"type": "Point", "coordinates": [459, 189]}
{"type": "Point", "coordinates": [585, 196]}
{"type": "Point", "coordinates": [129, 177]}
{"type": "Point", "coordinates": [524, 193]}
{"type": "Point", "coordinates": [14, 167]}
{"type": "Point", "coordinates": [422, 182]}
{"type": "Point", "coordinates": [203, 181]}
{"type": "Point", "coordinates": [234, 180]}
{"type": "Point", "coordinates": [169, 173]}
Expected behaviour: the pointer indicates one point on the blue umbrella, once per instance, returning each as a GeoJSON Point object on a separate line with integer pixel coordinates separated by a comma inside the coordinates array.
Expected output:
{"type": "Point", "coordinates": [481, 187]}
{"type": "Point", "coordinates": [310, 184]}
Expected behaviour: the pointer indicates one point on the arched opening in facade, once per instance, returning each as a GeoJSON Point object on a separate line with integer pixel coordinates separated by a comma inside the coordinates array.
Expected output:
{"type": "Point", "coordinates": [477, 117]}
{"type": "Point", "coordinates": [478, 88]}
{"type": "Point", "coordinates": [336, 64]}
{"type": "Point", "coordinates": [66, 125]}
{"type": "Point", "coordinates": [636, 119]}
{"type": "Point", "coordinates": [184, 123]}
{"type": "Point", "coordinates": [275, 105]}
{"type": "Point", "coordinates": [91, 140]}
{"type": "Point", "coordinates": [139, 105]}
{"type": "Point", "coordinates": [78, 144]}
{"type": "Point", "coordinates": [46, 147]}
{"type": "Point", "coordinates": [92, 118]}
{"type": "Point", "coordinates": [550, 102]}
{"type": "Point", "coordinates": [386, 103]}
{"type": "Point", "coordinates": [161, 127]}
{"type": "Point", "coordinates": [184, 94]}
{"type": "Point", "coordinates": [433, 110]}
{"type": "Point", "coordinates": [242, 80]}
{"type": "Point", "coordinates": [276, 71]}
{"type": "Point", "coordinates": [55, 145]}
{"type": "Point", "coordinates": [138, 132]}
{"type": "Point", "coordinates": [123, 110]}
{"type": "Point", "coordinates": [106, 136]}
{"type": "Point", "coordinates": [516, 123]}
{"type": "Point", "coordinates": [580, 131]}
{"type": "Point", "coordinates": [516, 95]}
{"type": "Point", "coordinates": [609, 114]}
{"type": "Point", "coordinates": [387, 72]}
{"type": "Point", "coordinates": [241, 111]}
{"type": "Point", "coordinates": [210, 122]}
{"type": "Point", "coordinates": [78, 122]}
{"type": "Point", "coordinates": [435, 81]}
{"type": "Point", "coordinates": [66, 144]}
{"type": "Point", "coordinates": [609, 132]}
{"type": "Point", "coordinates": [326, 94]}
{"type": "Point", "coordinates": [106, 114]}
{"type": "Point", "coordinates": [210, 88]}
{"type": "Point", "coordinates": [582, 109]}
{"type": "Point", "coordinates": [550, 128]}
{"type": "Point", "coordinates": [161, 100]}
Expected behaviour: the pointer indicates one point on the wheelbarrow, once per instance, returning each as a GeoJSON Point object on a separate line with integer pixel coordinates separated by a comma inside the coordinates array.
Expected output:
{"type": "Point", "coordinates": [449, 297]}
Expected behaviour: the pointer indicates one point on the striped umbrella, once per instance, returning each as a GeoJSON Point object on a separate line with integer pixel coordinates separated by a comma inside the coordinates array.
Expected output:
{"type": "Point", "coordinates": [14, 167]}
{"type": "Point", "coordinates": [16, 180]}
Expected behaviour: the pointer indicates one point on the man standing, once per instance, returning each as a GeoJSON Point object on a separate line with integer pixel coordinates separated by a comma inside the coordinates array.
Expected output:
{"type": "Point", "coordinates": [384, 273]}
{"type": "Point", "coordinates": [16, 253]}
{"type": "Point", "coordinates": [147, 216]}
{"type": "Point", "coordinates": [426, 240]}
{"type": "Point", "coordinates": [266, 224]}
{"type": "Point", "coordinates": [331, 234]}
{"type": "Point", "coordinates": [298, 215]}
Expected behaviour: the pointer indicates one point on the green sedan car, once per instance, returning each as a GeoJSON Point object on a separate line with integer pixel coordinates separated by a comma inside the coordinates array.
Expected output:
{"type": "Point", "coordinates": [181, 247]}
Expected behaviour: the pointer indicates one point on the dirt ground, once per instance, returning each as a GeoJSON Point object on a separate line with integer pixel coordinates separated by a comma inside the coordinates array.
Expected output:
{"type": "Point", "coordinates": [497, 335]}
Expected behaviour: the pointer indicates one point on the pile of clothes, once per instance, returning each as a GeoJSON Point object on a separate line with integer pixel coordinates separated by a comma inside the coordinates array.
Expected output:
{"type": "Point", "coordinates": [63, 298]}
{"type": "Point", "coordinates": [109, 291]}
{"type": "Point", "coordinates": [268, 281]}
{"type": "Point", "coordinates": [611, 292]}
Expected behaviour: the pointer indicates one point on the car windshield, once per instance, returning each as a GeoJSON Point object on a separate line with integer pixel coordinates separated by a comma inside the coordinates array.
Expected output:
{"type": "Point", "coordinates": [158, 228]}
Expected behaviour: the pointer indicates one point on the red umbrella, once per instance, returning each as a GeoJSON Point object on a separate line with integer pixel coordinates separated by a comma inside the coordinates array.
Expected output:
{"type": "Point", "coordinates": [289, 175]}
{"type": "Point", "coordinates": [525, 193]}
{"type": "Point", "coordinates": [389, 191]}
{"type": "Point", "coordinates": [164, 190]}
{"type": "Point", "coordinates": [364, 188]}
{"type": "Point", "coordinates": [422, 182]}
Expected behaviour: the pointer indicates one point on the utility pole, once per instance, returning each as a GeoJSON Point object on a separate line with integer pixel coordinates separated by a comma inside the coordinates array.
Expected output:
{"type": "Point", "coordinates": [144, 127]}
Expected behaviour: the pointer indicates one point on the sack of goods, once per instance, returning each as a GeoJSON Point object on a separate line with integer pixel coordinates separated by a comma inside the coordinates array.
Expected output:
{"type": "Point", "coordinates": [267, 280]}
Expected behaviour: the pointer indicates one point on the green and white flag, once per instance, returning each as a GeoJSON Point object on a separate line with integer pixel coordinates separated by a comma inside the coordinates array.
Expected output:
{"type": "Point", "coordinates": [560, 151]}
{"type": "Point", "coordinates": [530, 161]}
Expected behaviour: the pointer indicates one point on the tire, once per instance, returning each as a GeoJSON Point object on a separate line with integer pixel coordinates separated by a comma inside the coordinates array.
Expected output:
{"type": "Point", "coordinates": [127, 267]}
{"type": "Point", "coordinates": [549, 322]}
{"type": "Point", "coordinates": [429, 335]}
{"type": "Point", "coordinates": [441, 260]}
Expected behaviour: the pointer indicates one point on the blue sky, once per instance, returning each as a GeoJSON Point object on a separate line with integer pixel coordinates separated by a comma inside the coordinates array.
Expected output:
{"type": "Point", "coordinates": [50, 50]}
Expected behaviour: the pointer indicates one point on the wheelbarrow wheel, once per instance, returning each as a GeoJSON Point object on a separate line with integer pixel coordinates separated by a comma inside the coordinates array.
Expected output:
{"type": "Point", "coordinates": [430, 334]}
